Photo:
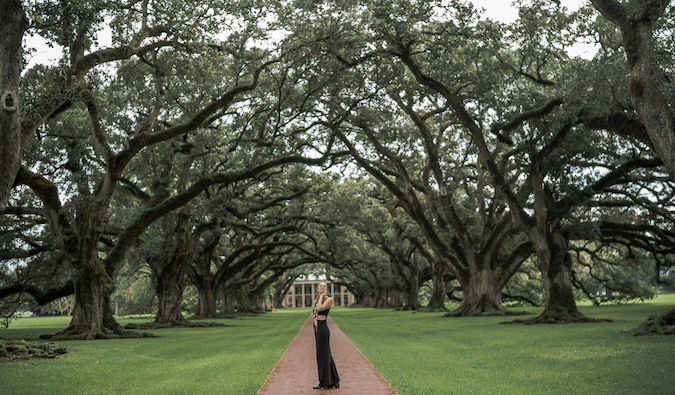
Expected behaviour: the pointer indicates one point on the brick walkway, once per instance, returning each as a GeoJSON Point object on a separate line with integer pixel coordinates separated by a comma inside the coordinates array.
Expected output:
{"type": "Point", "coordinates": [296, 372]}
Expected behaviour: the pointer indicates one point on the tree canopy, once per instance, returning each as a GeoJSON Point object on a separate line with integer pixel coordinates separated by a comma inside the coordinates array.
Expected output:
{"type": "Point", "coordinates": [397, 146]}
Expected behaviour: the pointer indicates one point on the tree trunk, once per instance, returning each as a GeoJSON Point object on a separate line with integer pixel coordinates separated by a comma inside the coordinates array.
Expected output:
{"type": "Point", "coordinates": [92, 283]}
{"type": "Point", "coordinates": [395, 300]}
{"type": "Point", "coordinates": [278, 300]}
{"type": "Point", "coordinates": [244, 303]}
{"type": "Point", "coordinates": [412, 297]}
{"type": "Point", "coordinates": [383, 301]}
{"type": "Point", "coordinates": [482, 295]}
{"type": "Point", "coordinates": [437, 301]}
{"type": "Point", "coordinates": [13, 24]}
{"type": "Point", "coordinates": [92, 314]}
{"type": "Point", "coordinates": [257, 302]}
{"type": "Point", "coordinates": [556, 266]}
{"type": "Point", "coordinates": [560, 303]}
{"type": "Point", "coordinates": [206, 300]}
{"type": "Point", "coordinates": [637, 20]}
{"type": "Point", "coordinates": [376, 298]}
{"type": "Point", "coordinates": [168, 273]}
{"type": "Point", "coordinates": [170, 297]}
{"type": "Point", "coordinates": [647, 94]}
{"type": "Point", "coordinates": [281, 288]}
{"type": "Point", "coordinates": [229, 301]}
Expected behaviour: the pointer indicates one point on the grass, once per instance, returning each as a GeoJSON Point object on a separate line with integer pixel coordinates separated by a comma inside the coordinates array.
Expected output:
{"type": "Point", "coordinates": [423, 353]}
{"type": "Point", "coordinates": [417, 354]}
{"type": "Point", "coordinates": [221, 360]}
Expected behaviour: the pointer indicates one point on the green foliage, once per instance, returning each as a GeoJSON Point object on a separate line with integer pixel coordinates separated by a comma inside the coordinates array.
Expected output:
{"type": "Point", "coordinates": [333, 68]}
{"type": "Point", "coordinates": [613, 273]}
{"type": "Point", "coordinates": [134, 291]}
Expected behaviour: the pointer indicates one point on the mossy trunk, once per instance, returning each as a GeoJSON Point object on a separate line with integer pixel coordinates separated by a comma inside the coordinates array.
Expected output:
{"type": "Point", "coordinates": [437, 300]}
{"type": "Point", "coordinates": [556, 266]}
{"type": "Point", "coordinates": [13, 24]}
{"type": "Point", "coordinates": [244, 303]}
{"type": "Point", "coordinates": [560, 303]}
{"type": "Point", "coordinates": [258, 302]}
{"type": "Point", "coordinates": [206, 300]}
{"type": "Point", "coordinates": [278, 301]}
{"type": "Point", "coordinates": [395, 299]}
{"type": "Point", "coordinates": [92, 314]}
{"type": "Point", "coordinates": [170, 297]}
{"type": "Point", "coordinates": [412, 297]}
{"type": "Point", "coordinates": [482, 294]}
{"type": "Point", "coordinates": [229, 302]}
{"type": "Point", "coordinates": [281, 287]}
{"type": "Point", "coordinates": [364, 300]}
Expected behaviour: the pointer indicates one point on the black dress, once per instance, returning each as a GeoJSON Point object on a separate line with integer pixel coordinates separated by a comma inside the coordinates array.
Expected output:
{"type": "Point", "coordinates": [328, 375]}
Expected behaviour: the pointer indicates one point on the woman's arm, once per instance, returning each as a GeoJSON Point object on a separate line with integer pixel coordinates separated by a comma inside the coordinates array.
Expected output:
{"type": "Point", "coordinates": [325, 302]}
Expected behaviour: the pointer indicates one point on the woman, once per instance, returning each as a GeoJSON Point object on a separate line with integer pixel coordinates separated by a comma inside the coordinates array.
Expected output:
{"type": "Point", "coordinates": [328, 375]}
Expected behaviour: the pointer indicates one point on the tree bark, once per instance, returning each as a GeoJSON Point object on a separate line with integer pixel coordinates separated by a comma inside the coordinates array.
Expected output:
{"type": "Point", "coordinates": [169, 275]}
{"type": "Point", "coordinates": [482, 295]}
{"type": "Point", "coordinates": [257, 302]}
{"type": "Point", "coordinates": [281, 288]}
{"type": "Point", "coordinates": [13, 24]}
{"type": "Point", "coordinates": [636, 19]}
{"type": "Point", "coordinates": [437, 300]}
{"type": "Point", "coordinates": [244, 303]}
{"type": "Point", "coordinates": [411, 299]}
{"type": "Point", "coordinates": [92, 314]}
{"type": "Point", "coordinates": [482, 283]}
{"type": "Point", "coordinates": [170, 297]}
{"type": "Point", "coordinates": [229, 301]}
{"type": "Point", "coordinates": [206, 301]}
{"type": "Point", "coordinates": [556, 266]}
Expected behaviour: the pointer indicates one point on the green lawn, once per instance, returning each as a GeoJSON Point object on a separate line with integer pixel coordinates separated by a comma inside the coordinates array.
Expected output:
{"type": "Point", "coordinates": [424, 353]}
{"type": "Point", "coordinates": [418, 354]}
{"type": "Point", "coordinates": [225, 360]}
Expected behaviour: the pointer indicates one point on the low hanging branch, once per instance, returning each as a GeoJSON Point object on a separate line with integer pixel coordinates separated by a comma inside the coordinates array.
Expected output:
{"type": "Point", "coordinates": [40, 296]}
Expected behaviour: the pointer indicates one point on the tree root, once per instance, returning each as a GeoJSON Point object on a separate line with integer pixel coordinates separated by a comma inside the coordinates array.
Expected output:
{"type": "Point", "coordinates": [493, 313]}
{"type": "Point", "coordinates": [407, 308]}
{"type": "Point", "coordinates": [118, 333]}
{"type": "Point", "coordinates": [154, 325]}
{"type": "Point", "coordinates": [428, 309]}
{"type": "Point", "coordinates": [21, 350]}
{"type": "Point", "coordinates": [656, 324]}
{"type": "Point", "coordinates": [559, 317]}
{"type": "Point", "coordinates": [234, 316]}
